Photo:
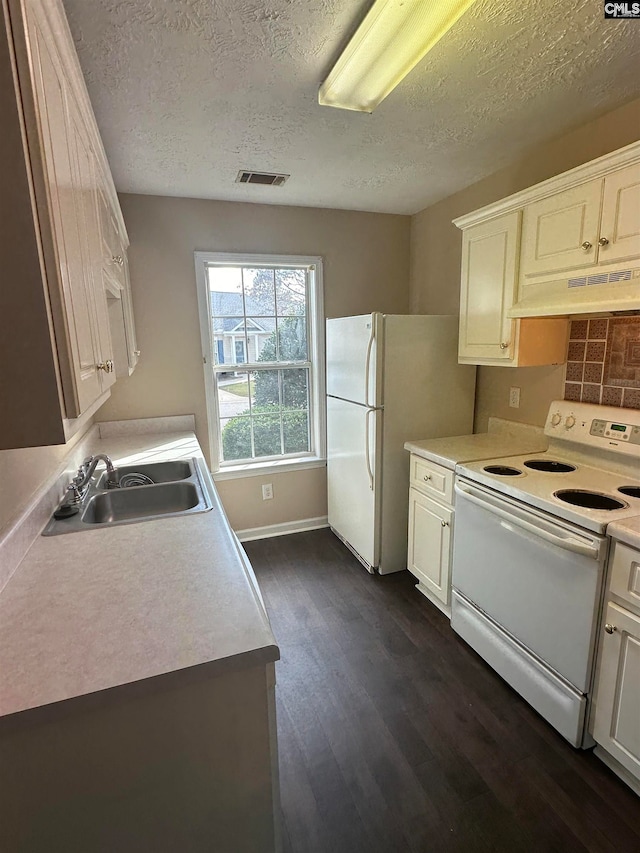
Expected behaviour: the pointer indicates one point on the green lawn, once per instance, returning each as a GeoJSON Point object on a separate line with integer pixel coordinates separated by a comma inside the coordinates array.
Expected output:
{"type": "Point", "coordinates": [240, 389]}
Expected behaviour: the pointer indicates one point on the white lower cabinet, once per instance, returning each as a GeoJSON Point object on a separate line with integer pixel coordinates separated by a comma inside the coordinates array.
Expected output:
{"type": "Point", "coordinates": [429, 548]}
{"type": "Point", "coordinates": [616, 720]}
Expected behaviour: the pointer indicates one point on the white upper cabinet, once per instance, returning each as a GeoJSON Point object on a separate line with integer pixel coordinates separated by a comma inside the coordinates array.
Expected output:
{"type": "Point", "coordinates": [489, 265]}
{"type": "Point", "coordinates": [619, 236]}
{"type": "Point", "coordinates": [561, 232]}
{"type": "Point", "coordinates": [488, 335]}
{"type": "Point", "coordinates": [593, 223]}
{"type": "Point", "coordinates": [57, 357]}
{"type": "Point", "coordinates": [578, 250]}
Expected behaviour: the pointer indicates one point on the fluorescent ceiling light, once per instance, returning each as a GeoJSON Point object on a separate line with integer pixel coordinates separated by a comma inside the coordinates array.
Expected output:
{"type": "Point", "coordinates": [387, 45]}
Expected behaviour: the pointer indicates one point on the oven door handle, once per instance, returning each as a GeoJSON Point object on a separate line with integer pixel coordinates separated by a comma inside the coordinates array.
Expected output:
{"type": "Point", "coordinates": [568, 543]}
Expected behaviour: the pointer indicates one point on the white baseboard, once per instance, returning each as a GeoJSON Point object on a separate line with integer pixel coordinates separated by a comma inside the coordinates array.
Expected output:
{"type": "Point", "coordinates": [299, 526]}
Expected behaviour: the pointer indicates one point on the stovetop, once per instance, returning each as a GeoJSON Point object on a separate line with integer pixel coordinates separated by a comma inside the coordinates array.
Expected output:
{"type": "Point", "coordinates": [590, 475]}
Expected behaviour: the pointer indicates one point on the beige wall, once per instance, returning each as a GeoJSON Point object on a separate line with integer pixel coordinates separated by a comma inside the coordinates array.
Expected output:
{"type": "Point", "coordinates": [24, 472]}
{"type": "Point", "coordinates": [436, 253]}
{"type": "Point", "coordinates": [366, 268]}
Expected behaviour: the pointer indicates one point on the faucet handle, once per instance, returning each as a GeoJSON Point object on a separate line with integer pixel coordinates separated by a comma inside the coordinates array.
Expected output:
{"type": "Point", "coordinates": [75, 495]}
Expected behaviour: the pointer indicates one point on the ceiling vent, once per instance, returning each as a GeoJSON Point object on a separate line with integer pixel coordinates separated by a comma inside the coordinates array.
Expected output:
{"type": "Point", "coordinates": [267, 179]}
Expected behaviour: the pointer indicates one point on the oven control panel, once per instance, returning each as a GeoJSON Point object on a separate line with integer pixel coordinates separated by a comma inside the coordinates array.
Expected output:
{"type": "Point", "coordinates": [607, 427]}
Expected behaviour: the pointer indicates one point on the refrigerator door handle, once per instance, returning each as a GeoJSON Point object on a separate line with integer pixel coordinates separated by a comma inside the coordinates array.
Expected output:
{"type": "Point", "coordinates": [367, 448]}
{"type": "Point", "coordinates": [367, 363]}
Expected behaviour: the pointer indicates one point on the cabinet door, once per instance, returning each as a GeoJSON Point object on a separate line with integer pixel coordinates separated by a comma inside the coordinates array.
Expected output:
{"type": "Point", "coordinates": [430, 544]}
{"type": "Point", "coordinates": [85, 192]}
{"type": "Point", "coordinates": [489, 270]}
{"type": "Point", "coordinates": [74, 307]}
{"type": "Point", "coordinates": [115, 271]}
{"type": "Point", "coordinates": [617, 715]}
{"type": "Point", "coordinates": [620, 226]}
{"type": "Point", "coordinates": [561, 232]}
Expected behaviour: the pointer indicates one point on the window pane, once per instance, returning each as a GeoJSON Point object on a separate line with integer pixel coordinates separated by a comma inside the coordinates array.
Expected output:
{"type": "Point", "coordinates": [266, 430]}
{"type": "Point", "coordinates": [259, 291]}
{"type": "Point", "coordinates": [225, 287]}
{"type": "Point", "coordinates": [261, 338]}
{"type": "Point", "coordinates": [233, 395]}
{"type": "Point", "coordinates": [291, 286]}
{"type": "Point", "coordinates": [295, 428]}
{"type": "Point", "coordinates": [295, 388]}
{"type": "Point", "coordinates": [292, 339]}
{"type": "Point", "coordinates": [266, 391]}
{"type": "Point", "coordinates": [236, 438]}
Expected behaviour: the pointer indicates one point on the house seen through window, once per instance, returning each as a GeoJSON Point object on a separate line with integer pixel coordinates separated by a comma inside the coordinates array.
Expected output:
{"type": "Point", "coordinates": [263, 338]}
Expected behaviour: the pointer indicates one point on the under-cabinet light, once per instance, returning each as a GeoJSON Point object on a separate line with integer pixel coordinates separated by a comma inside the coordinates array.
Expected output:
{"type": "Point", "coordinates": [388, 44]}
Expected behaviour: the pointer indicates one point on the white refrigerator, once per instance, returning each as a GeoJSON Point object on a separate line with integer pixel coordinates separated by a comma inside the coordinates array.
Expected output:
{"type": "Point", "coordinates": [390, 379]}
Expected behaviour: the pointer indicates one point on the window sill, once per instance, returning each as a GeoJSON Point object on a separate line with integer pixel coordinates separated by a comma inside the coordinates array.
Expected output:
{"type": "Point", "coordinates": [259, 469]}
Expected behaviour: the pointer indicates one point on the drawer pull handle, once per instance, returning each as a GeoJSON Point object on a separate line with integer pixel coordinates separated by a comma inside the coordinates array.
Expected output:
{"type": "Point", "coordinates": [426, 477]}
{"type": "Point", "coordinates": [610, 628]}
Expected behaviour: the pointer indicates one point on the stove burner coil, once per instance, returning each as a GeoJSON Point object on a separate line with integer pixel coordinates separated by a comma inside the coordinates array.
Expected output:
{"type": "Point", "coordinates": [502, 470]}
{"type": "Point", "coordinates": [632, 491]}
{"type": "Point", "coordinates": [589, 500]}
{"type": "Point", "coordinates": [549, 465]}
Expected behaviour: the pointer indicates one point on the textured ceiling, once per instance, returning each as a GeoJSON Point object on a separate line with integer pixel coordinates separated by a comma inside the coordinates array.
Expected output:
{"type": "Point", "coordinates": [187, 92]}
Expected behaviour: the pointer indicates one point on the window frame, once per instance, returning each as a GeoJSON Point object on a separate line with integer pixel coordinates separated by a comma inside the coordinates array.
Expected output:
{"type": "Point", "coordinates": [315, 330]}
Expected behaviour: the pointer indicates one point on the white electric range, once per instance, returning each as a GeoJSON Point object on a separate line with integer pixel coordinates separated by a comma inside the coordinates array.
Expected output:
{"type": "Point", "coordinates": [529, 555]}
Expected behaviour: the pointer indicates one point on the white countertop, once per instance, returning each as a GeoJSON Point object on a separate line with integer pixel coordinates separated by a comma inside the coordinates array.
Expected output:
{"type": "Point", "coordinates": [627, 531]}
{"type": "Point", "coordinates": [504, 438]}
{"type": "Point", "coordinates": [89, 611]}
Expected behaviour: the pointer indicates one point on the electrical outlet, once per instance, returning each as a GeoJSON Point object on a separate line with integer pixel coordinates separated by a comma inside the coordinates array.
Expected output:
{"type": "Point", "coordinates": [514, 398]}
{"type": "Point", "coordinates": [267, 492]}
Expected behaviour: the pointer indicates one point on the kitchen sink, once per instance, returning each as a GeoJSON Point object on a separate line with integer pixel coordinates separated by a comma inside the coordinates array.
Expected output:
{"type": "Point", "coordinates": [159, 472]}
{"type": "Point", "coordinates": [179, 489]}
{"type": "Point", "coordinates": [141, 502]}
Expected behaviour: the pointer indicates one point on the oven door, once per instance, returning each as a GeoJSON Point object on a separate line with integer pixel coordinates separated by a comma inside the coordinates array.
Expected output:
{"type": "Point", "coordinates": [539, 579]}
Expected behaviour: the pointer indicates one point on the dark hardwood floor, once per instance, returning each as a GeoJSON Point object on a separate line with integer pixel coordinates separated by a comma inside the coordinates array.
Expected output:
{"type": "Point", "coordinates": [395, 736]}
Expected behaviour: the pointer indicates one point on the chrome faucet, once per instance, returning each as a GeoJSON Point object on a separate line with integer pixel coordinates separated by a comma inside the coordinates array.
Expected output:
{"type": "Point", "coordinates": [80, 483]}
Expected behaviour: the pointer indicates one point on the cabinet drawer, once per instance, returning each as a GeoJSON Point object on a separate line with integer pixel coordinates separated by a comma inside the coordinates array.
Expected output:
{"type": "Point", "coordinates": [625, 575]}
{"type": "Point", "coordinates": [431, 479]}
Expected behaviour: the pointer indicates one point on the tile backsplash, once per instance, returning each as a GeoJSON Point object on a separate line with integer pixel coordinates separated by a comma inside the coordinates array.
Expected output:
{"type": "Point", "coordinates": [603, 362]}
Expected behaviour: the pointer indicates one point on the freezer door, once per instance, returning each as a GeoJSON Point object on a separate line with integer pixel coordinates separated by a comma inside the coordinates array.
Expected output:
{"type": "Point", "coordinates": [354, 350]}
{"type": "Point", "coordinates": [353, 477]}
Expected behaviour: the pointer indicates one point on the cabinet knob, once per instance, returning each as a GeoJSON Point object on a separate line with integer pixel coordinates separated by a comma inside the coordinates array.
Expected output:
{"type": "Point", "coordinates": [426, 477]}
{"type": "Point", "coordinates": [504, 345]}
{"type": "Point", "coordinates": [603, 241]}
{"type": "Point", "coordinates": [587, 245]}
{"type": "Point", "coordinates": [444, 523]}
{"type": "Point", "coordinates": [610, 628]}
{"type": "Point", "coordinates": [107, 366]}
{"type": "Point", "coordinates": [136, 352]}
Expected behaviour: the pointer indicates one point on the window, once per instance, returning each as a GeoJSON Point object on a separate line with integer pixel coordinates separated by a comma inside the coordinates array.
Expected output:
{"type": "Point", "coordinates": [261, 321]}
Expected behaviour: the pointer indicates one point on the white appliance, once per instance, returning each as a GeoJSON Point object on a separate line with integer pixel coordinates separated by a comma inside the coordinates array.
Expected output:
{"type": "Point", "coordinates": [530, 548]}
{"type": "Point", "coordinates": [390, 378]}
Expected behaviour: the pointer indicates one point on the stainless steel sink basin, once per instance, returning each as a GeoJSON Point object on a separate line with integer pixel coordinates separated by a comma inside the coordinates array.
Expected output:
{"type": "Point", "coordinates": [141, 502]}
{"type": "Point", "coordinates": [182, 491]}
{"type": "Point", "coordinates": [159, 472]}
